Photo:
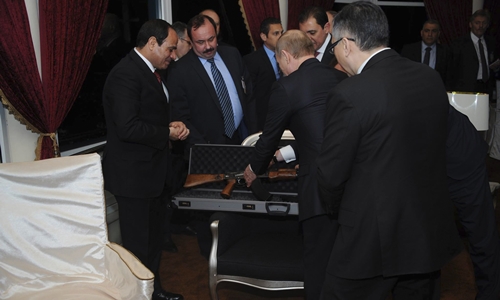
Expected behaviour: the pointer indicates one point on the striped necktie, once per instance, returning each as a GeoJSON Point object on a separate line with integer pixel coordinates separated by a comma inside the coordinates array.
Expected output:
{"type": "Point", "coordinates": [225, 101]}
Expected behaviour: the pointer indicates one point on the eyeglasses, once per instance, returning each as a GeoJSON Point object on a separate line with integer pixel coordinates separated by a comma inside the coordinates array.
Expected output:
{"type": "Point", "coordinates": [186, 41]}
{"type": "Point", "coordinates": [338, 41]}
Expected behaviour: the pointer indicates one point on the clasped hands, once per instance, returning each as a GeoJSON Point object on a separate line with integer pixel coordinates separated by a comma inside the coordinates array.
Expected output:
{"type": "Point", "coordinates": [178, 131]}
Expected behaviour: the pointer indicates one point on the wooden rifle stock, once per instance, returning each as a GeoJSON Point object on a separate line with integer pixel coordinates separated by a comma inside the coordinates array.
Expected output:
{"type": "Point", "coordinates": [232, 180]}
{"type": "Point", "coordinates": [198, 179]}
{"type": "Point", "coordinates": [228, 189]}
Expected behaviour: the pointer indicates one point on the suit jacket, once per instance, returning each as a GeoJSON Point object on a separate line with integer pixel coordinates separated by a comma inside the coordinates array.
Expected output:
{"type": "Point", "coordinates": [466, 63]}
{"type": "Point", "coordinates": [327, 56]}
{"type": "Point", "coordinates": [137, 118]}
{"type": "Point", "coordinates": [383, 159]}
{"type": "Point", "coordinates": [298, 103]}
{"type": "Point", "coordinates": [194, 99]}
{"type": "Point", "coordinates": [443, 58]}
{"type": "Point", "coordinates": [263, 76]}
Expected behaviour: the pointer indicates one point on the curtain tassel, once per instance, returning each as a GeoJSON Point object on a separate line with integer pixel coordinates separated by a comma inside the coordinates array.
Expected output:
{"type": "Point", "coordinates": [52, 136]}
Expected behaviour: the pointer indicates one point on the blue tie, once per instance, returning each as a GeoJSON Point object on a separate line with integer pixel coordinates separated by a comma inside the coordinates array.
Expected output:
{"type": "Point", "coordinates": [225, 101]}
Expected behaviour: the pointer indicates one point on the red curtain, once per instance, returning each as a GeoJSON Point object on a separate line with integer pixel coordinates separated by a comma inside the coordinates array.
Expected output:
{"type": "Point", "coordinates": [453, 16]}
{"type": "Point", "coordinates": [254, 12]}
{"type": "Point", "coordinates": [295, 7]}
{"type": "Point", "coordinates": [69, 31]}
{"type": "Point", "coordinates": [19, 77]}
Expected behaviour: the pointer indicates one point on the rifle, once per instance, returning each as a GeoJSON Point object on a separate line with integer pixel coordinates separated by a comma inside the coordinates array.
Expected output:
{"type": "Point", "coordinates": [234, 178]}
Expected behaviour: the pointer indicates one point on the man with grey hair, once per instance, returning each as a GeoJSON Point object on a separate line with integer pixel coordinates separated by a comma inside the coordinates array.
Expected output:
{"type": "Point", "coordinates": [297, 99]}
{"type": "Point", "coordinates": [184, 43]}
{"type": "Point", "coordinates": [382, 167]}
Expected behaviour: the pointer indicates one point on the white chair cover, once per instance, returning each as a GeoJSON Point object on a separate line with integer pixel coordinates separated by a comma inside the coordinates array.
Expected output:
{"type": "Point", "coordinates": [53, 235]}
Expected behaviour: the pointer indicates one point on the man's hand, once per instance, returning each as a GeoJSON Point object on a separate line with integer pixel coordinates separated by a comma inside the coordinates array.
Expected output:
{"type": "Point", "coordinates": [178, 131]}
{"type": "Point", "coordinates": [249, 176]}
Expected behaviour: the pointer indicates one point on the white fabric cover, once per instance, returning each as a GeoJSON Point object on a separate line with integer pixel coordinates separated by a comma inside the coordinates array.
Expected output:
{"type": "Point", "coordinates": [53, 235]}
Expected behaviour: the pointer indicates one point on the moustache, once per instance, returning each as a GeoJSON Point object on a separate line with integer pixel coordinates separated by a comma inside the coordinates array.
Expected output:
{"type": "Point", "coordinates": [208, 50]}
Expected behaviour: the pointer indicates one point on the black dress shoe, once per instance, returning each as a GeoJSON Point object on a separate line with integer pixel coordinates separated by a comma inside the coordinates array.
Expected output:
{"type": "Point", "coordinates": [164, 295]}
{"type": "Point", "coordinates": [169, 246]}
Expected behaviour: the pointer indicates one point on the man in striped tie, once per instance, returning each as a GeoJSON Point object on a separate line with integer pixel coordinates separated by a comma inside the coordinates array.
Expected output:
{"type": "Point", "coordinates": [210, 87]}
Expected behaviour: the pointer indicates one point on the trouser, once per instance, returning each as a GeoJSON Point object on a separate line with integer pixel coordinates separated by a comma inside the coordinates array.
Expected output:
{"type": "Point", "coordinates": [141, 222]}
{"type": "Point", "coordinates": [473, 200]}
{"type": "Point", "coordinates": [405, 287]}
{"type": "Point", "coordinates": [319, 235]}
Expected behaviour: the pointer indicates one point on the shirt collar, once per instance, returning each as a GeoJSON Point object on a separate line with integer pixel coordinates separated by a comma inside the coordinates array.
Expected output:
{"type": "Point", "coordinates": [150, 65]}
{"type": "Point", "coordinates": [325, 44]}
{"type": "Point", "coordinates": [216, 58]}
{"type": "Point", "coordinates": [424, 45]}
{"type": "Point", "coordinates": [366, 61]}
{"type": "Point", "coordinates": [269, 52]}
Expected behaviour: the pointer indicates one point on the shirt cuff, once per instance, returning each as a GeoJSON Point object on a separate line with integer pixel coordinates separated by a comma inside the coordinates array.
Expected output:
{"type": "Point", "coordinates": [288, 154]}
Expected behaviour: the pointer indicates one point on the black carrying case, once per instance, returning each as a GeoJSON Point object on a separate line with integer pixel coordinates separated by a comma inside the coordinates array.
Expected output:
{"type": "Point", "coordinates": [223, 159]}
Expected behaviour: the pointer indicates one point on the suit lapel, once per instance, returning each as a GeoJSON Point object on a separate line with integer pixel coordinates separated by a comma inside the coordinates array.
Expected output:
{"type": "Point", "coordinates": [202, 73]}
{"type": "Point", "coordinates": [232, 66]}
{"type": "Point", "coordinates": [267, 62]}
{"type": "Point", "coordinates": [146, 73]}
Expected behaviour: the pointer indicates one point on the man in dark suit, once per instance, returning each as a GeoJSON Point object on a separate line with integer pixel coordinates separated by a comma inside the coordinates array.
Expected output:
{"type": "Point", "coordinates": [472, 55]}
{"type": "Point", "coordinates": [196, 98]}
{"type": "Point", "coordinates": [263, 67]}
{"type": "Point", "coordinates": [382, 167]}
{"type": "Point", "coordinates": [314, 22]}
{"type": "Point", "coordinates": [298, 103]}
{"type": "Point", "coordinates": [135, 162]}
{"type": "Point", "coordinates": [428, 51]}
{"type": "Point", "coordinates": [470, 191]}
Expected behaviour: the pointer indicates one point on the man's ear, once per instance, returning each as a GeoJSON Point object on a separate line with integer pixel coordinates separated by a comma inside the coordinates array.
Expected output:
{"type": "Point", "coordinates": [327, 26]}
{"type": "Point", "coordinates": [263, 37]}
{"type": "Point", "coordinates": [152, 42]}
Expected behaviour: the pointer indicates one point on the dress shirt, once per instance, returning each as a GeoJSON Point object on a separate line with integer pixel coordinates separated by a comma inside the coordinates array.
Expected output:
{"type": "Point", "coordinates": [475, 41]}
{"type": "Point", "coordinates": [432, 58]}
{"type": "Point", "coordinates": [231, 88]}
{"type": "Point", "coordinates": [153, 69]}
{"type": "Point", "coordinates": [322, 50]}
{"type": "Point", "coordinates": [272, 58]}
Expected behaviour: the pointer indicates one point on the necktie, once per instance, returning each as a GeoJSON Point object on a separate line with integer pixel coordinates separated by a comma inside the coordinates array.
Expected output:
{"type": "Point", "coordinates": [158, 77]}
{"type": "Point", "coordinates": [225, 101]}
{"type": "Point", "coordinates": [316, 54]}
{"type": "Point", "coordinates": [484, 66]}
{"type": "Point", "coordinates": [427, 55]}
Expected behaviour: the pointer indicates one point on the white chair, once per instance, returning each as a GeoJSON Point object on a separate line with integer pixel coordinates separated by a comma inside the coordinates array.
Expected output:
{"type": "Point", "coordinates": [53, 235]}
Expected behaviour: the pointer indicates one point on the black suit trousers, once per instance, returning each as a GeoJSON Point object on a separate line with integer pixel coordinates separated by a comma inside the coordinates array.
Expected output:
{"type": "Point", "coordinates": [319, 235]}
{"type": "Point", "coordinates": [141, 223]}
{"type": "Point", "coordinates": [473, 200]}
{"type": "Point", "coordinates": [405, 287]}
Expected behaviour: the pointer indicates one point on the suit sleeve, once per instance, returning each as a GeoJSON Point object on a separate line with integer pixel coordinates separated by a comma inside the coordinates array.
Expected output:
{"type": "Point", "coordinates": [338, 151]}
{"type": "Point", "coordinates": [276, 122]}
{"type": "Point", "coordinates": [123, 91]}
{"type": "Point", "coordinates": [178, 83]}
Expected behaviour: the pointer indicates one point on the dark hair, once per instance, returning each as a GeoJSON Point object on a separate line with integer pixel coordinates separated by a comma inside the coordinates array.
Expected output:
{"type": "Point", "coordinates": [157, 28]}
{"type": "Point", "coordinates": [481, 13]}
{"type": "Point", "coordinates": [266, 23]}
{"type": "Point", "coordinates": [180, 28]}
{"type": "Point", "coordinates": [197, 21]}
{"type": "Point", "coordinates": [316, 12]}
{"type": "Point", "coordinates": [432, 21]}
{"type": "Point", "coordinates": [365, 22]}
